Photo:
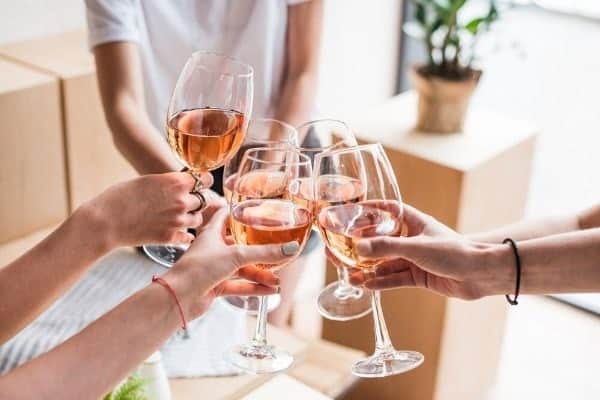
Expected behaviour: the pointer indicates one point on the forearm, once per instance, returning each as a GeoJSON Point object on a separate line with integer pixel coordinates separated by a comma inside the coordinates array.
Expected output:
{"type": "Point", "coordinates": [525, 230]}
{"type": "Point", "coordinates": [139, 141]}
{"type": "Point", "coordinates": [109, 348]}
{"type": "Point", "coordinates": [297, 100]}
{"type": "Point", "coordinates": [564, 263]}
{"type": "Point", "coordinates": [31, 283]}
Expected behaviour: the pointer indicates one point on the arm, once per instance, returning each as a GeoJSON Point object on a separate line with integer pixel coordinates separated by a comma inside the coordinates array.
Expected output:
{"type": "Point", "coordinates": [589, 218]}
{"type": "Point", "coordinates": [121, 88]}
{"type": "Point", "coordinates": [302, 63]}
{"type": "Point", "coordinates": [110, 220]}
{"type": "Point", "coordinates": [151, 316]}
{"type": "Point", "coordinates": [438, 259]}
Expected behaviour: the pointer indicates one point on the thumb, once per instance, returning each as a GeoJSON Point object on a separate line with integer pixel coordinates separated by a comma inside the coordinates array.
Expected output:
{"type": "Point", "coordinates": [265, 254]}
{"type": "Point", "coordinates": [214, 219]}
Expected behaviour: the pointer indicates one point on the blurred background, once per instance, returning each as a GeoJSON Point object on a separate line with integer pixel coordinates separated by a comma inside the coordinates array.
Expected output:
{"type": "Point", "coordinates": [540, 65]}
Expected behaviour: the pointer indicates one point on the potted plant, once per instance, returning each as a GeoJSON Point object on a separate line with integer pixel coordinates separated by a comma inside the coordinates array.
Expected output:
{"type": "Point", "coordinates": [450, 30]}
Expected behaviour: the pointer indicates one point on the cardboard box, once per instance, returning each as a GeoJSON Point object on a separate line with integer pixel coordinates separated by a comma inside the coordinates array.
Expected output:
{"type": "Point", "coordinates": [93, 161]}
{"type": "Point", "coordinates": [32, 168]}
{"type": "Point", "coordinates": [472, 181]}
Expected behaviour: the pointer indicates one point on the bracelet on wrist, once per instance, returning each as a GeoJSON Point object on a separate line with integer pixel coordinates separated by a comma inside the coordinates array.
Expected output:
{"type": "Point", "coordinates": [513, 245]}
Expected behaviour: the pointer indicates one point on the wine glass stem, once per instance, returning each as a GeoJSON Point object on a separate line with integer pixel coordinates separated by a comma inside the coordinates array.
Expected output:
{"type": "Point", "coordinates": [383, 343]}
{"type": "Point", "coordinates": [260, 332]}
{"type": "Point", "coordinates": [344, 288]}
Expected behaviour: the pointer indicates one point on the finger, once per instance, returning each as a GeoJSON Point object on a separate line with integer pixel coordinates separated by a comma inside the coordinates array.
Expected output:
{"type": "Point", "coordinates": [207, 179]}
{"type": "Point", "coordinates": [410, 249]}
{"type": "Point", "coordinates": [262, 276]}
{"type": "Point", "coordinates": [239, 288]}
{"type": "Point", "coordinates": [392, 266]}
{"type": "Point", "coordinates": [265, 254]}
{"type": "Point", "coordinates": [213, 199]}
{"type": "Point", "coordinates": [181, 237]}
{"type": "Point", "coordinates": [192, 202]}
{"type": "Point", "coordinates": [213, 222]}
{"type": "Point", "coordinates": [192, 220]}
{"type": "Point", "coordinates": [395, 280]}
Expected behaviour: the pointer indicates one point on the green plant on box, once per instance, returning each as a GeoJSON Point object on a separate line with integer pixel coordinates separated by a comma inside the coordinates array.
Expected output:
{"type": "Point", "coordinates": [132, 389]}
{"type": "Point", "coordinates": [450, 30]}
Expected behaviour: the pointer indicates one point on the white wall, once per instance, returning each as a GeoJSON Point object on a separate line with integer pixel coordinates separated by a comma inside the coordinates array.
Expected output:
{"type": "Point", "coordinates": [359, 54]}
{"type": "Point", "coordinates": [25, 19]}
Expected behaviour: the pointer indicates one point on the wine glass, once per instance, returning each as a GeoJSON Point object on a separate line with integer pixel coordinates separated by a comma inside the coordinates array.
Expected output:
{"type": "Point", "coordinates": [262, 212]}
{"type": "Point", "coordinates": [379, 213]}
{"type": "Point", "coordinates": [339, 300]}
{"type": "Point", "coordinates": [207, 120]}
{"type": "Point", "coordinates": [262, 132]}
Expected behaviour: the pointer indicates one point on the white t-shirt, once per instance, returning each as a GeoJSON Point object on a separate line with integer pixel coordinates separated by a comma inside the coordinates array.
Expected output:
{"type": "Point", "coordinates": [168, 31]}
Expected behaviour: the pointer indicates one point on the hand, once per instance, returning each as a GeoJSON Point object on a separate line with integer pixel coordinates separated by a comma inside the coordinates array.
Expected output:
{"type": "Point", "coordinates": [435, 257]}
{"type": "Point", "coordinates": [148, 209]}
{"type": "Point", "coordinates": [203, 273]}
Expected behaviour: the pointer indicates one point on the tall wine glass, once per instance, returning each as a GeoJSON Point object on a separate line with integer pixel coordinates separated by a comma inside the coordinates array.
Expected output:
{"type": "Point", "coordinates": [262, 212]}
{"type": "Point", "coordinates": [262, 132]}
{"type": "Point", "coordinates": [379, 213]}
{"type": "Point", "coordinates": [339, 300]}
{"type": "Point", "coordinates": [207, 119]}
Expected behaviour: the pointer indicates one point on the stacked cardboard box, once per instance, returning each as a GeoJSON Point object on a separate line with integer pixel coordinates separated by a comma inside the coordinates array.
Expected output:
{"type": "Point", "coordinates": [32, 167]}
{"type": "Point", "coordinates": [93, 163]}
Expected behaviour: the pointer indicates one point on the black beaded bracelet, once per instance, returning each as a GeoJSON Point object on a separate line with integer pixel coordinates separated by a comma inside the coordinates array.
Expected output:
{"type": "Point", "coordinates": [513, 301]}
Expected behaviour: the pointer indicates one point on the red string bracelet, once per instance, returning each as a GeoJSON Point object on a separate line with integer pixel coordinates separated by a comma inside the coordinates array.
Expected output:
{"type": "Point", "coordinates": [166, 285]}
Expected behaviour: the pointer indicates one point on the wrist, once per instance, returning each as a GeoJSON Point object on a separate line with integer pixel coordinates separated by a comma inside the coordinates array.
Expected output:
{"type": "Point", "coordinates": [91, 221]}
{"type": "Point", "coordinates": [186, 287]}
{"type": "Point", "coordinates": [497, 273]}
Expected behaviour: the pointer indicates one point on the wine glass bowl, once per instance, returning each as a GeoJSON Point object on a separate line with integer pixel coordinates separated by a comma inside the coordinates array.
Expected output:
{"type": "Point", "coordinates": [203, 139]}
{"type": "Point", "coordinates": [378, 213]}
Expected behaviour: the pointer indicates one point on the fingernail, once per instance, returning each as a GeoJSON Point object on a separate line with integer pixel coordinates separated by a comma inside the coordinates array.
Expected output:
{"type": "Point", "coordinates": [363, 247]}
{"type": "Point", "coordinates": [290, 248]}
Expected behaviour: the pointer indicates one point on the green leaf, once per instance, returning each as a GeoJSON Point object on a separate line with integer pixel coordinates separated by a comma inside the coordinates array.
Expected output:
{"type": "Point", "coordinates": [457, 4]}
{"type": "Point", "coordinates": [132, 389]}
{"type": "Point", "coordinates": [492, 14]}
{"type": "Point", "coordinates": [436, 25]}
{"type": "Point", "coordinates": [473, 25]}
{"type": "Point", "coordinates": [420, 13]}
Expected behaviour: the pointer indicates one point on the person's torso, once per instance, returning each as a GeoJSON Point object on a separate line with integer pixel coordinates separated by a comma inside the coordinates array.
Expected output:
{"type": "Point", "coordinates": [252, 31]}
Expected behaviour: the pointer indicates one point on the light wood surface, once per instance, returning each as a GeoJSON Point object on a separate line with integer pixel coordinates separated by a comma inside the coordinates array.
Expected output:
{"type": "Point", "coordinates": [32, 169]}
{"type": "Point", "coordinates": [93, 161]}
{"type": "Point", "coordinates": [319, 364]}
{"type": "Point", "coordinates": [470, 181]}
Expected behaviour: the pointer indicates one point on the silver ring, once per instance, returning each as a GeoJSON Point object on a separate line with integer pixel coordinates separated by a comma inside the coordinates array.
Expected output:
{"type": "Point", "coordinates": [202, 199]}
{"type": "Point", "coordinates": [198, 185]}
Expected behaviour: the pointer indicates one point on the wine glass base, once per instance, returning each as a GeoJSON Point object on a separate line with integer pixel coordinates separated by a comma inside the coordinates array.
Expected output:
{"type": "Point", "coordinates": [388, 363]}
{"type": "Point", "coordinates": [164, 255]}
{"type": "Point", "coordinates": [355, 304]}
{"type": "Point", "coordinates": [250, 303]}
{"type": "Point", "coordinates": [260, 359]}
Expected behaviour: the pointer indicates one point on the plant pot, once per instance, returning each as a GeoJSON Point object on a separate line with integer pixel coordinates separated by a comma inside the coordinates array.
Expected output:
{"type": "Point", "coordinates": [442, 103]}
